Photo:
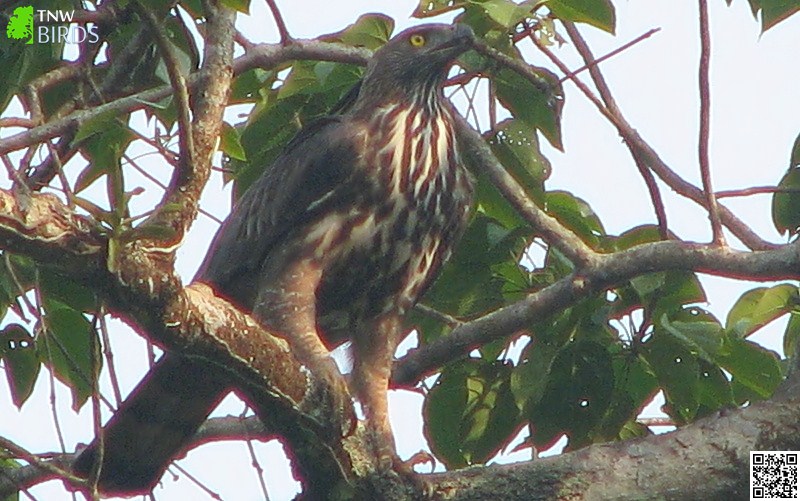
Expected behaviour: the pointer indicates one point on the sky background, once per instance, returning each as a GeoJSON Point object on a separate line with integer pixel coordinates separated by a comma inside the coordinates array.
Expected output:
{"type": "Point", "coordinates": [755, 119]}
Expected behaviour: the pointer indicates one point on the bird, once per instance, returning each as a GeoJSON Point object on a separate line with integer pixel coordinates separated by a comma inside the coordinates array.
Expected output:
{"type": "Point", "coordinates": [336, 241]}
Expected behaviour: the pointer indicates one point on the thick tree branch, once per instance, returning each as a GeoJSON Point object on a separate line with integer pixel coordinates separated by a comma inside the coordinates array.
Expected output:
{"type": "Point", "coordinates": [145, 292]}
{"type": "Point", "coordinates": [606, 271]}
{"type": "Point", "coordinates": [705, 460]}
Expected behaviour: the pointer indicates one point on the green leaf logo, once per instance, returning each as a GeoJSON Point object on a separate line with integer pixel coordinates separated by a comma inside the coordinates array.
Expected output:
{"type": "Point", "coordinates": [20, 25]}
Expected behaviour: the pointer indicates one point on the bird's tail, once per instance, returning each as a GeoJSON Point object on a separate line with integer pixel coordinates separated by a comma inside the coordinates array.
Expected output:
{"type": "Point", "coordinates": [153, 424]}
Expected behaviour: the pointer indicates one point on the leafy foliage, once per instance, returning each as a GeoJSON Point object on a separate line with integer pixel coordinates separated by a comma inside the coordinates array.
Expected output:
{"type": "Point", "coordinates": [772, 11]}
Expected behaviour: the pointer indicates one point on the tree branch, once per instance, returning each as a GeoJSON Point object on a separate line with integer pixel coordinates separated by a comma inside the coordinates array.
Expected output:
{"type": "Point", "coordinates": [632, 138]}
{"type": "Point", "coordinates": [704, 460]}
{"type": "Point", "coordinates": [46, 466]}
{"type": "Point", "coordinates": [198, 138]}
{"type": "Point", "coordinates": [478, 152]}
{"type": "Point", "coordinates": [260, 56]}
{"type": "Point", "coordinates": [705, 125]}
{"type": "Point", "coordinates": [606, 271]}
{"type": "Point", "coordinates": [147, 294]}
{"type": "Point", "coordinates": [608, 99]}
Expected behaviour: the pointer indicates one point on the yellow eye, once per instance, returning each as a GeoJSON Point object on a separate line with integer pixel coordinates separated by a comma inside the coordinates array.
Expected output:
{"type": "Point", "coordinates": [417, 40]}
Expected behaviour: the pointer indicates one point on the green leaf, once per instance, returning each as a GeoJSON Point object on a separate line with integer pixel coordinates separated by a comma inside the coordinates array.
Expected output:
{"type": "Point", "coordinates": [758, 307]}
{"type": "Point", "coordinates": [493, 204]}
{"type": "Point", "coordinates": [247, 86]}
{"type": "Point", "coordinates": [22, 63]}
{"type": "Point", "coordinates": [751, 365]}
{"type": "Point", "coordinates": [17, 349]}
{"type": "Point", "coordinates": [185, 51]}
{"type": "Point", "coordinates": [430, 8]}
{"type": "Point", "coordinates": [775, 11]}
{"type": "Point", "coordinates": [791, 335]}
{"type": "Point", "coordinates": [794, 158]}
{"type": "Point", "coordinates": [67, 349]}
{"type": "Point", "coordinates": [529, 378]}
{"type": "Point", "coordinates": [242, 6]}
{"type": "Point", "coordinates": [662, 292]}
{"type": "Point", "coordinates": [504, 12]}
{"type": "Point", "coordinates": [575, 214]}
{"type": "Point", "coordinates": [104, 149]}
{"type": "Point", "coordinates": [467, 284]}
{"type": "Point", "coordinates": [577, 394]}
{"type": "Point", "coordinates": [538, 106]}
{"type": "Point", "coordinates": [633, 429]}
{"type": "Point", "coordinates": [17, 275]}
{"type": "Point", "coordinates": [231, 143]}
{"type": "Point", "coordinates": [714, 389]}
{"type": "Point", "coordinates": [516, 146]}
{"type": "Point", "coordinates": [786, 204]}
{"type": "Point", "coordinates": [634, 387]}
{"type": "Point", "coordinates": [301, 80]}
{"type": "Point", "coordinates": [370, 31]}
{"type": "Point", "coordinates": [66, 290]}
{"type": "Point", "coordinates": [95, 125]}
{"type": "Point", "coordinates": [597, 13]}
{"type": "Point", "coordinates": [677, 371]}
{"type": "Point", "coordinates": [470, 413]}
{"type": "Point", "coordinates": [696, 329]}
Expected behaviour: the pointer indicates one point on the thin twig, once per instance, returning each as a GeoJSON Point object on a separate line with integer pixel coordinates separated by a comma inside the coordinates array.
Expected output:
{"type": "Point", "coordinates": [656, 421]}
{"type": "Point", "coordinates": [109, 355]}
{"type": "Point", "coordinates": [441, 316]}
{"type": "Point", "coordinates": [178, 82]}
{"type": "Point", "coordinates": [154, 180]}
{"type": "Point", "coordinates": [70, 196]}
{"type": "Point", "coordinates": [97, 424]}
{"type": "Point", "coordinates": [286, 39]}
{"type": "Point", "coordinates": [21, 453]}
{"type": "Point", "coordinates": [254, 458]}
{"type": "Point", "coordinates": [754, 190]}
{"type": "Point", "coordinates": [705, 124]}
{"type": "Point", "coordinates": [608, 99]}
{"type": "Point", "coordinates": [196, 481]}
{"type": "Point", "coordinates": [738, 227]}
{"type": "Point", "coordinates": [594, 62]}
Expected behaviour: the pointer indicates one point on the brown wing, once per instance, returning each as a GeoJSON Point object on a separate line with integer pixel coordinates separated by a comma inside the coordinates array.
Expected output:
{"type": "Point", "coordinates": [175, 398]}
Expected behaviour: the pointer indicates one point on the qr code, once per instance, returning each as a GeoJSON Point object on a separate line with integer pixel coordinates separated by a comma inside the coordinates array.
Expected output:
{"type": "Point", "coordinates": [773, 475]}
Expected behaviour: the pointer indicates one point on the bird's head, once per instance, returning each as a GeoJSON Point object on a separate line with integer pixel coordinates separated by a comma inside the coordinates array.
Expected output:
{"type": "Point", "coordinates": [417, 59]}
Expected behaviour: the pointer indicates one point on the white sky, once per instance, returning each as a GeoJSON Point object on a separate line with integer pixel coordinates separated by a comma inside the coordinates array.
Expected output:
{"type": "Point", "coordinates": [755, 107]}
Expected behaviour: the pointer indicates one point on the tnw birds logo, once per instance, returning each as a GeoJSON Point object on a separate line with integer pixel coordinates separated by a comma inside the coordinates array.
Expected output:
{"type": "Point", "coordinates": [20, 25]}
{"type": "Point", "coordinates": [48, 26]}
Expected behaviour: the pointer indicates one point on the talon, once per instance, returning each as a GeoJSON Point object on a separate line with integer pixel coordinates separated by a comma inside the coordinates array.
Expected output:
{"type": "Point", "coordinates": [421, 457]}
